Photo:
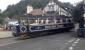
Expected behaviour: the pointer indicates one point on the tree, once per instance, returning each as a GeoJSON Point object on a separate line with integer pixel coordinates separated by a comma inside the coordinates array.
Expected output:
{"type": "Point", "coordinates": [1, 18]}
{"type": "Point", "coordinates": [0, 10]}
{"type": "Point", "coordinates": [78, 17]}
{"type": "Point", "coordinates": [20, 8]}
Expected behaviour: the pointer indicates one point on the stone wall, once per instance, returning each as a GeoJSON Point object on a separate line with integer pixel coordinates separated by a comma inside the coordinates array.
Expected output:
{"type": "Point", "coordinates": [5, 34]}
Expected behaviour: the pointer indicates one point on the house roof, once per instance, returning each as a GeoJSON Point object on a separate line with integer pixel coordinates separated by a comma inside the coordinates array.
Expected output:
{"type": "Point", "coordinates": [39, 16]}
{"type": "Point", "coordinates": [37, 12]}
{"type": "Point", "coordinates": [62, 5]}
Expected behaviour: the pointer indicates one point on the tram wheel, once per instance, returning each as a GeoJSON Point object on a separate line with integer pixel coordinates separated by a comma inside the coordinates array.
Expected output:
{"type": "Point", "coordinates": [24, 36]}
{"type": "Point", "coordinates": [14, 34]}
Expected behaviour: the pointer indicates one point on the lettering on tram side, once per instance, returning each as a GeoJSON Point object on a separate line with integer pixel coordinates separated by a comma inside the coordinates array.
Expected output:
{"type": "Point", "coordinates": [60, 26]}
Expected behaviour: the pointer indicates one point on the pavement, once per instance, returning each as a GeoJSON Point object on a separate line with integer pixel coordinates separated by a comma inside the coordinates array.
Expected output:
{"type": "Point", "coordinates": [59, 41]}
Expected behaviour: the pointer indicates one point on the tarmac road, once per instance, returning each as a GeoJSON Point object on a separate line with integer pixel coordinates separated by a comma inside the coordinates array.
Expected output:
{"type": "Point", "coordinates": [61, 41]}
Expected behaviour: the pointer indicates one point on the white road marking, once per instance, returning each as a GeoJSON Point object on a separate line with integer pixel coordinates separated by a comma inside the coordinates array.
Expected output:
{"type": "Point", "coordinates": [71, 48]}
{"type": "Point", "coordinates": [77, 39]}
{"type": "Point", "coordinates": [66, 43]}
{"type": "Point", "coordinates": [71, 40]}
{"type": "Point", "coordinates": [73, 44]}
{"type": "Point", "coordinates": [9, 43]}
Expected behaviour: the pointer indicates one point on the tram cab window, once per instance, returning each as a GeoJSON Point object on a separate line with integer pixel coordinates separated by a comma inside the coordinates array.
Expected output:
{"type": "Point", "coordinates": [50, 21]}
{"type": "Point", "coordinates": [69, 20]}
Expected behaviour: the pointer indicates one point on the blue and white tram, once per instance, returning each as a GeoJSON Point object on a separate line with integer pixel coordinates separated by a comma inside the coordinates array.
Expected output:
{"type": "Point", "coordinates": [38, 27]}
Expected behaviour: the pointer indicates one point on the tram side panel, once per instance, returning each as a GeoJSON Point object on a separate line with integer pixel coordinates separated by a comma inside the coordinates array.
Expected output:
{"type": "Point", "coordinates": [31, 30]}
{"type": "Point", "coordinates": [16, 31]}
{"type": "Point", "coordinates": [37, 30]}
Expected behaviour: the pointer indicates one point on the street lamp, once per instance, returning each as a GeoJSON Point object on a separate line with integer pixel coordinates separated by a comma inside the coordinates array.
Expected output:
{"type": "Point", "coordinates": [81, 30]}
{"type": "Point", "coordinates": [84, 7]}
{"type": "Point", "coordinates": [84, 3]}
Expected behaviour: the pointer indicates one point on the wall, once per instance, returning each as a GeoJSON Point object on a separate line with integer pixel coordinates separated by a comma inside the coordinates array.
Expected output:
{"type": "Point", "coordinates": [5, 34]}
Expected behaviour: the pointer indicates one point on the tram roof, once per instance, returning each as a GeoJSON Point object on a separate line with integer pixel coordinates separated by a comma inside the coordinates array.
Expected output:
{"type": "Point", "coordinates": [40, 17]}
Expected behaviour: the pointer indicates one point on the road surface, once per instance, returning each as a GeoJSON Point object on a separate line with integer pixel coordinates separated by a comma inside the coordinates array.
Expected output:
{"type": "Point", "coordinates": [61, 41]}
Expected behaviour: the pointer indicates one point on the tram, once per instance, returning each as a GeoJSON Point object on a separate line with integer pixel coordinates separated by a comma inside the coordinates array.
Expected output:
{"type": "Point", "coordinates": [42, 25]}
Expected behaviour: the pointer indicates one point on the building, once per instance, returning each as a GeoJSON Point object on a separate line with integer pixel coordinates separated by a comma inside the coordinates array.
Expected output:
{"type": "Point", "coordinates": [55, 7]}
{"type": "Point", "coordinates": [36, 12]}
{"type": "Point", "coordinates": [52, 10]}
{"type": "Point", "coordinates": [29, 9]}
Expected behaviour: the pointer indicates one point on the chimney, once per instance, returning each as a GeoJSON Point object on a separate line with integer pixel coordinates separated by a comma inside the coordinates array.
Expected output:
{"type": "Point", "coordinates": [29, 9]}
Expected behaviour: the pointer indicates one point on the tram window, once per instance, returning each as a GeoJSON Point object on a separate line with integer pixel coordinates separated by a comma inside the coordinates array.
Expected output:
{"type": "Point", "coordinates": [64, 20]}
{"type": "Point", "coordinates": [71, 19]}
{"type": "Point", "coordinates": [40, 21]}
{"type": "Point", "coordinates": [49, 21]}
{"type": "Point", "coordinates": [32, 21]}
{"type": "Point", "coordinates": [58, 21]}
{"type": "Point", "coordinates": [22, 21]}
{"type": "Point", "coordinates": [68, 20]}
{"type": "Point", "coordinates": [61, 21]}
{"type": "Point", "coordinates": [36, 21]}
{"type": "Point", "coordinates": [44, 22]}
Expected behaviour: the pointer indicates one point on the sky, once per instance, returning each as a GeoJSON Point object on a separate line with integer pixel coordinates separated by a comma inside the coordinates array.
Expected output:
{"type": "Point", "coordinates": [5, 3]}
{"type": "Point", "coordinates": [71, 1]}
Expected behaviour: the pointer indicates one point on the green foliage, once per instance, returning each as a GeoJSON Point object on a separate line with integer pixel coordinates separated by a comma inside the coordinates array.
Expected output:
{"type": "Point", "coordinates": [78, 12]}
{"type": "Point", "coordinates": [21, 7]}
{"type": "Point", "coordinates": [1, 18]}
{"type": "Point", "coordinates": [37, 5]}
{"type": "Point", "coordinates": [78, 15]}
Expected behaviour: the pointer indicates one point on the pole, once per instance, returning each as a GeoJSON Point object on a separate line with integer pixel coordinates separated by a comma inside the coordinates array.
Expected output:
{"type": "Point", "coordinates": [81, 21]}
